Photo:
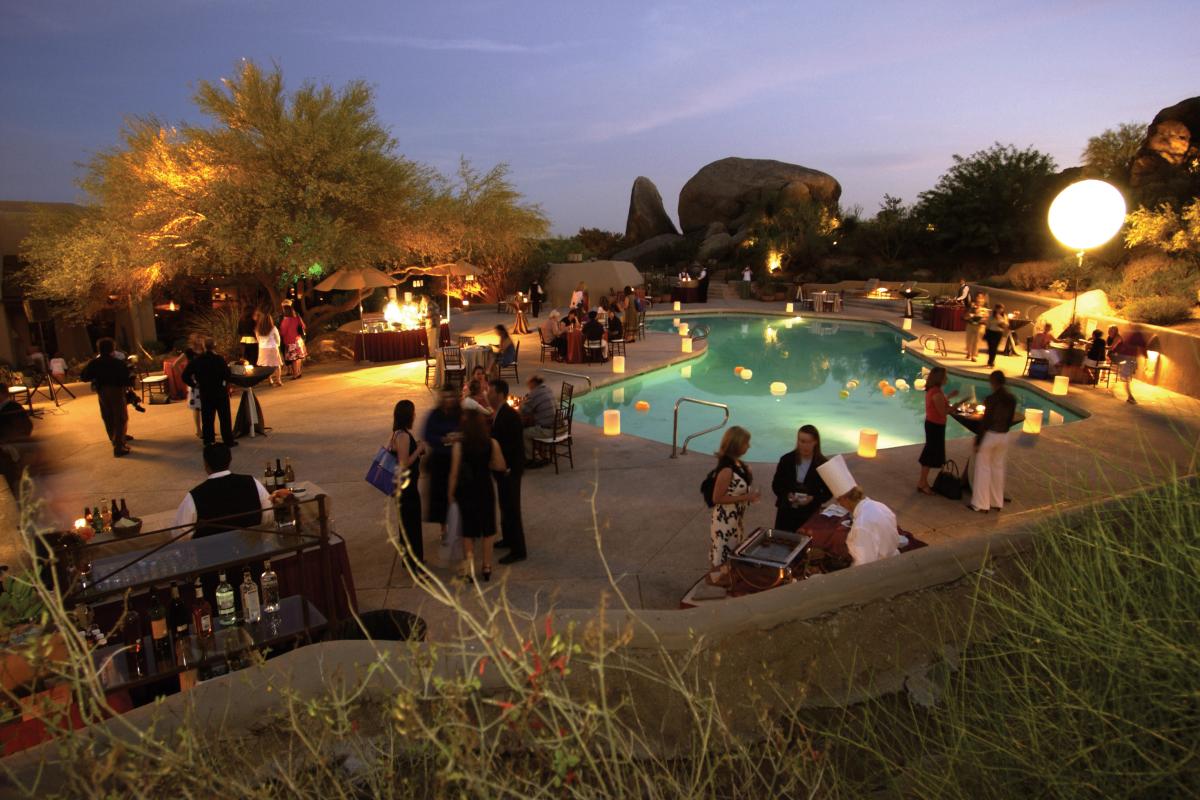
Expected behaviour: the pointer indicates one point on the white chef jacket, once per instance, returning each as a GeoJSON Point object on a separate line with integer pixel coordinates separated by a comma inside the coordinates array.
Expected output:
{"type": "Point", "coordinates": [186, 513]}
{"type": "Point", "coordinates": [873, 535]}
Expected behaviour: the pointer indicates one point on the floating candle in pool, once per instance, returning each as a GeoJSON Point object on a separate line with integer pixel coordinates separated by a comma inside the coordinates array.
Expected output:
{"type": "Point", "coordinates": [889, 391]}
{"type": "Point", "coordinates": [685, 345]}
{"type": "Point", "coordinates": [919, 384]}
{"type": "Point", "coordinates": [778, 388]}
{"type": "Point", "coordinates": [868, 441]}
{"type": "Point", "coordinates": [1061, 383]}
{"type": "Point", "coordinates": [882, 384]}
{"type": "Point", "coordinates": [738, 369]}
{"type": "Point", "coordinates": [642, 406]}
{"type": "Point", "coordinates": [746, 374]}
{"type": "Point", "coordinates": [686, 371]}
{"type": "Point", "coordinates": [612, 422]}
{"type": "Point", "coordinates": [843, 394]}
{"type": "Point", "coordinates": [618, 363]}
{"type": "Point", "coordinates": [902, 384]}
{"type": "Point", "coordinates": [1033, 420]}
{"type": "Point", "coordinates": [852, 384]}
{"type": "Point", "coordinates": [619, 395]}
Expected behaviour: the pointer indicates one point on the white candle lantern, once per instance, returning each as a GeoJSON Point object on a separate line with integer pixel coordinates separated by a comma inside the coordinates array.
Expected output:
{"type": "Point", "coordinates": [907, 324]}
{"type": "Point", "coordinates": [790, 308]}
{"type": "Point", "coordinates": [746, 374]}
{"type": "Point", "coordinates": [618, 364]}
{"type": "Point", "coordinates": [619, 395]}
{"type": "Point", "coordinates": [1033, 420]}
{"type": "Point", "coordinates": [675, 322]}
{"type": "Point", "coordinates": [778, 388]}
{"type": "Point", "coordinates": [612, 422]}
{"type": "Point", "coordinates": [868, 442]}
{"type": "Point", "coordinates": [686, 345]}
{"type": "Point", "coordinates": [677, 305]}
{"type": "Point", "coordinates": [683, 329]}
{"type": "Point", "coordinates": [1061, 382]}
{"type": "Point", "coordinates": [686, 371]}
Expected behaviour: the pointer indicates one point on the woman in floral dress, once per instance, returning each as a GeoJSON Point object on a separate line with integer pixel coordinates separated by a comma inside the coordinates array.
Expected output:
{"type": "Point", "coordinates": [731, 494]}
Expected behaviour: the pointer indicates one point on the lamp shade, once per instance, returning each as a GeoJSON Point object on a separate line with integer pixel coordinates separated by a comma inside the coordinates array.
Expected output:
{"type": "Point", "coordinates": [1061, 383]}
{"type": "Point", "coordinates": [612, 422]}
{"type": "Point", "coordinates": [618, 363]}
{"type": "Point", "coordinates": [746, 374]}
{"type": "Point", "coordinates": [1033, 420]}
{"type": "Point", "coordinates": [778, 388]}
{"type": "Point", "coordinates": [868, 442]}
{"type": "Point", "coordinates": [686, 345]}
{"type": "Point", "coordinates": [677, 305]}
{"type": "Point", "coordinates": [1086, 214]}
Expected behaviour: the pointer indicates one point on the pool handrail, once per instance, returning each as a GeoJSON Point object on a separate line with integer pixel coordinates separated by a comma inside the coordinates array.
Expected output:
{"type": "Point", "coordinates": [571, 375]}
{"type": "Point", "coordinates": [675, 425]}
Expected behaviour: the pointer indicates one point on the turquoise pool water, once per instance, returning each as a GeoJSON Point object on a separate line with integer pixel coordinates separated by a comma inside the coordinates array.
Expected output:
{"type": "Point", "coordinates": [815, 359]}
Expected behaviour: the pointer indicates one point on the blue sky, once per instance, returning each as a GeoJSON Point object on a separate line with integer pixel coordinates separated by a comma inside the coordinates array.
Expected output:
{"type": "Point", "coordinates": [580, 98]}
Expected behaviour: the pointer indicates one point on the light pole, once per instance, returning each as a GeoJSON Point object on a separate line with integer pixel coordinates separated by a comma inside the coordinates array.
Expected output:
{"type": "Point", "coordinates": [1084, 216]}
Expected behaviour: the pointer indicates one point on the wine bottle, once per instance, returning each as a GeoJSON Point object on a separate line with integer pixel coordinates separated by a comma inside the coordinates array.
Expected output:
{"type": "Point", "coordinates": [114, 512]}
{"type": "Point", "coordinates": [226, 613]}
{"type": "Point", "coordinates": [280, 477]}
{"type": "Point", "coordinates": [124, 509]}
{"type": "Point", "coordinates": [288, 473]}
{"type": "Point", "coordinates": [132, 634]}
{"type": "Point", "coordinates": [97, 520]}
{"type": "Point", "coordinates": [202, 622]}
{"type": "Point", "coordinates": [269, 478]}
{"type": "Point", "coordinates": [270, 589]}
{"type": "Point", "coordinates": [251, 605]}
{"type": "Point", "coordinates": [105, 514]}
{"type": "Point", "coordinates": [159, 636]}
{"type": "Point", "coordinates": [179, 620]}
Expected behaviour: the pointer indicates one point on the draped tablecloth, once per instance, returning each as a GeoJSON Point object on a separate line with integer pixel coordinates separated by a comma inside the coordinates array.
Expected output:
{"type": "Point", "coordinates": [686, 292]}
{"type": "Point", "coordinates": [396, 345]}
{"type": "Point", "coordinates": [949, 317]}
{"type": "Point", "coordinates": [574, 347]}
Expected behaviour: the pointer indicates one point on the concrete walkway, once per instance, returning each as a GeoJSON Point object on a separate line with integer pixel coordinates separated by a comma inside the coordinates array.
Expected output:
{"type": "Point", "coordinates": [653, 525]}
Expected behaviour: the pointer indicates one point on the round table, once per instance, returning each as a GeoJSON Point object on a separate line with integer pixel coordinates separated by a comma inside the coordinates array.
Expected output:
{"type": "Point", "coordinates": [575, 346]}
{"type": "Point", "coordinates": [520, 323]}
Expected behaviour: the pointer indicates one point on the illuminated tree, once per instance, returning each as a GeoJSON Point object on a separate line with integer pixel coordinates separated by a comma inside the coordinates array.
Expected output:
{"type": "Point", "coordinates": [1110, 153]}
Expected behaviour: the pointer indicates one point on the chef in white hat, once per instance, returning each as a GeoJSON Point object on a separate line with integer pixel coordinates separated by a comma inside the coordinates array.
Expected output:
{"type": "Point", "coordinates": [873, 534]}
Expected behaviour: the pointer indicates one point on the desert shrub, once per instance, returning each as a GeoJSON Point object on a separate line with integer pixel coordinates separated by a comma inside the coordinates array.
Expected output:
{"type": "Point", "coordinates": [997, 282]}
{"type": "Point", "coordinates": [221, 324]}
{"type": "Point", "coordinates": [1032, 275]}
{"type": "Point", "coordinates": [1157, 274]}
{"type": "Point", "coordinates": [1160, 310]}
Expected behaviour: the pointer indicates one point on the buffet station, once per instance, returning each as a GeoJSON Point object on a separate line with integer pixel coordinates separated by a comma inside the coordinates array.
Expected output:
{"type": "Point", "coordinates": [686, 291]}
{"type": "Point", "coordinates": [399, 334]}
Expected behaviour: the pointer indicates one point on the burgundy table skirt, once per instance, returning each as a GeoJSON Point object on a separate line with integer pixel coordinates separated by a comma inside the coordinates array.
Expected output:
{"type": "Point", "coordinates": [685, 294]}
{"type": "Point", "coordinates": [396, 345]}
{"type": "Point", "coordinates": [949, 317]}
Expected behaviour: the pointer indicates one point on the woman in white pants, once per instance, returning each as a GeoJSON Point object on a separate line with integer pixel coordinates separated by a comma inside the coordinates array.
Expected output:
{"type": "Point", "coordinates": [991, 446]}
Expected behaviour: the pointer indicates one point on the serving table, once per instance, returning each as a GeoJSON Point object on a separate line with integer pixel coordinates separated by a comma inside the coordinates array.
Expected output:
{"type": "Point", "coordinates": [686, 292]}
{"type": "Point", "coordinates": [383, 346]}
{"type": "Point", "coordinates": [949, 317]}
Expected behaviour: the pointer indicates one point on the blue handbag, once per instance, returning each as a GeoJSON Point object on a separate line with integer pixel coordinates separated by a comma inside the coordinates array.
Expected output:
{"type": "Point", "coordinates": [382, 474]}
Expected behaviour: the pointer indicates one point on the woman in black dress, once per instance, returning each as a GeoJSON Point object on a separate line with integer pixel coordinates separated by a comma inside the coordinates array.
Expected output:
{"type": "Point", "coordinates": [408, 451]}
{"type": "Point", "coordinates": [473, 460]}
{"type": "Point", "coordinates": [937, 409]}
{"type": "Point", "coordinates": [799, 490]}
{"type": "Point", "coordinates": [441, 428]}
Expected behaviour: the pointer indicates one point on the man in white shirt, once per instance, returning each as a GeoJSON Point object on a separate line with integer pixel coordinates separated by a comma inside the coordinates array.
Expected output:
{"type": "Point", "coordinates": [873, 533]}
{"type": "Point", "coordinates": [237, 500]}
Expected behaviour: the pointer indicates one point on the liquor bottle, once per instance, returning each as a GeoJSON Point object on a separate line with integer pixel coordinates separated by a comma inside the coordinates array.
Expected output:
{"type": "Point", "coordinates": [114, 512]}
{"type": "Point", "coordinates": [280, 476]}
{"type": "Point", "coordinates": [159, 635]}
{"type": "Point", "coordinates": [251, 605]}
{"type": "Point", "coordinates": [269, 478]}
{"type": "Point", "coordinates": [270, 589]}
{"type": "Point", "coordinates": [288, 473]}
{"type": "Point", "coordinates": [105, 514]}
{"type": "Point", "coordinates": [97, 520]}
{"type": "Point", "coordinates": [124, 510]}
{"type": "Point", "coordinates": [179, 619]}
{"type": "Point", "coordinates": [226, 613]}
{"type": "Point", "coordinates": [135, 655]}
{"type": "Point", "coordinates": [202, 623]}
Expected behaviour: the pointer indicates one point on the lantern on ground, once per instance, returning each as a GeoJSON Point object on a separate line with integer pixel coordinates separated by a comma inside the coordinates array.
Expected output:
{"type": "Point", "coordinates": [790, 308]}
{"type": "Point", "coordinates": [685, 345]}
{"type": "Point", "coordinates": [618, 364]}
{"type": "Point", "coordinates": [1061, 382]}
{"type": "Point", "coordinates": [612, 422]}
{"type": "Point", "coordinates": [868, 442]}
{"type": "Point", "coordinates": [677, 305]}
{"type": "Point", "coordinates": [1033, 420]}
{"type": "Point", "coordinates": [907, 324]}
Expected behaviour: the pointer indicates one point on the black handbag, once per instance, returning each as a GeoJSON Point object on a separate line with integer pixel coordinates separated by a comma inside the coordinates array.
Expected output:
{"type": "Point", "coordinates": [950, 483]}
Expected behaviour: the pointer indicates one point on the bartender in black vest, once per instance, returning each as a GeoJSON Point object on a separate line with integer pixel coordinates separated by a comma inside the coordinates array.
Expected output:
{"type": "Point", "coordinates": [225, 494]}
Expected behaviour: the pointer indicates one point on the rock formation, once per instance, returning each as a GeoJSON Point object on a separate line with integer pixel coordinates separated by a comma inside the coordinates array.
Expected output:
{"type": "Point", "coordinates": [647, 216]}
{"type": "Point", "coordinates": [729, 191]}
{"type": "Point", "coordinates": [655, 251]}
{"type": "Point", "coordinates": [1167, 166]}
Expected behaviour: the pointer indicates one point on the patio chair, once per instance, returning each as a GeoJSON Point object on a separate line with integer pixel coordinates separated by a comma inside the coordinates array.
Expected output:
{"type": "Point", "coordinates": [510, 370]}
{"type": "Point", "coordinates": [430, 371]}
{"type": "Point", "coordinates": [566, 398]}
{"type": "Point", "coordinates": [151, 384]}
{"type": "Point", "coordinates": [547, 349]}
{"type": "Point", "coordinates": [548, 447]}
{"type": "Point", "coordinates": [1032, 361]}
{"type": "Point", "coordinates": [453, 369]}
{"type": "Point", "coordinates": [932, 343]}
{"type": "Point", "coordinates": [805, 303]}
{"type": "Point", "coordinates": [616, 347]}
{"type": "Point", "coordinates": [641, 319]}
{"type": "Point", "coordinates": [593, 351]}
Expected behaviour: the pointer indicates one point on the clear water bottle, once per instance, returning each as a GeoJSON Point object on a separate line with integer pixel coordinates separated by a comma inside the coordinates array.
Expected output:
{"type": "Point", "coordinates": [270, 589]}
{"type": "Point", "coordinates": [251, 605]}
{"type": "Point", "coordinates": [226, 609]}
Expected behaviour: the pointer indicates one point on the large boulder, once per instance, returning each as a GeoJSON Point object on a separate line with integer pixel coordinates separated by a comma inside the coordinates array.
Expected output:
{"type": "Point", "coordinates": [715, 247]}
{"type": "Point", "coordinates": [655, 251]}
{"type": "Point", "coordinates": [731, 190]}
{"type": "Point", "coordinates": [647, 216]}
{"type": "Point", "coordinates": [1165, 167]}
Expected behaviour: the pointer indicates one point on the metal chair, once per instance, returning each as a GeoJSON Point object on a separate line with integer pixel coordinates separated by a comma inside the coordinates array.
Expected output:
{"type": "Point", "coordinates": [546, 348]}
{"type": "Point", "coordinates": [593, 351]}
{"type": "Point", "coordinates": [453, 368]}
{"type": "Point", "coordinates": [566, 397]}
{"type": "Point", "coordinates": [616, 347]}
{"type": "Point", "coordinates": [430, 371]}
{"type": "Point", "coordinates": [548, 447]}
{"type": "Point", "coordinates": [154, 384]}
{"type": "Point", "coordinates": [510, 370]}
{"type": "Point", "coordinates": [641, 317]}
{"type": "Point", "coordinates": [1031, 360]}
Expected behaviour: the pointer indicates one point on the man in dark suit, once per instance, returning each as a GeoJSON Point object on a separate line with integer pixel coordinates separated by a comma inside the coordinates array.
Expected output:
{"type": "Point", "coordinates": [537, 296]}
{"type": "Point", "coordinates": [111, 378]}
{"type": "Point", "coordinates": [209, 373]}
{"type": "Point", "coordinates": [508, 432]}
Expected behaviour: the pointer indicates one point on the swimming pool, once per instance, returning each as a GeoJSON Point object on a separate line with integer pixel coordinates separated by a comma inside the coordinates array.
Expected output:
{"type": "Point", "coordinates": [815, 358]}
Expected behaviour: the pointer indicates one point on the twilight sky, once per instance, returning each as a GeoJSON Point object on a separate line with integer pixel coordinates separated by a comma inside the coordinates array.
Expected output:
{"type": "Point", "coordinates": [582, 97]}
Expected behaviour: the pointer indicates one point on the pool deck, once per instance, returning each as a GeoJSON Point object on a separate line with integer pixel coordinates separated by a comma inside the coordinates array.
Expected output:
{"type": "Point", "coordinates": [653, 523]}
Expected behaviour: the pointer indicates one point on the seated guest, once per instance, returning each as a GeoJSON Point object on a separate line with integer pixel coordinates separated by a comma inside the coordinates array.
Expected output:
{"type": "Point", "coordinates": [1071, 332]}
{"type": "Point", "coordinates": [506, 349]}
{"type": "Point", "coordinates": [571, 321]}
{"type": "Point", "coordinates": [1112, 342]}
{"type": "Point", "coordinates": [476, 398]}
{"type": "Point", "coordinates": [537, 412]}
{"type": "Point", "coordinates": [477, 374]}
{"type": "Point", "coordinates": [240, 498]}
{"type": "Point", "coordinates": [593, 331]}
{"type": "Point", "coordinates": [799, 490]}
{"type": "Point", "coordinates": [616, 329]}
{"type": "Point", "coordinates": [1039, 347]}
{"type": "Point", "coordinates": [602, 311]}
{"type": "Point", "coordinates": [554, 333]}
{"type": "Point", "coordinates": [873, 534]}
{"type": "Point", "coordinates": [1097, 350]}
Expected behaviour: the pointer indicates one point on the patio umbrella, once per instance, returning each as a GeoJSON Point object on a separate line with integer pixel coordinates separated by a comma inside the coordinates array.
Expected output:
{"type": "Point", "coordinates": [349, 280]}
{"type": "Point", "coordinates": [457, 269]}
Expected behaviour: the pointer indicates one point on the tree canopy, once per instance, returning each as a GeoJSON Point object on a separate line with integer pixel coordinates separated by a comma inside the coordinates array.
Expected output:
{"type": "Point", "coordinates": [989, 203]}
{"type": "Point", "coordinates": [1110, 153]}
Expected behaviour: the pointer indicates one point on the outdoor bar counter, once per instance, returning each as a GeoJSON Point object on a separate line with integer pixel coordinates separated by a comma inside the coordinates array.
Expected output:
{"type": "Point", "coordinates": [396, 345]}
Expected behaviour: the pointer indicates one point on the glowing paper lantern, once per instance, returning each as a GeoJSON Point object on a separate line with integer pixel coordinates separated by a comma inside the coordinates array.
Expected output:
{"type": "Point", "coordinates": [790, 308]}
{"type": "Point", "coordinates": [889, 391]}
{"type": "Point", "coordinates": [902, 384]}
{"type": "Point", "coordinates": [642, 406]}
{"type": "Point", "coordinates": [686, 371]}
{"type": "Point", "coordinates": [675, 322]}
{"type": "Point", "coordinates": [882, 384]}
{"type": "Point", "coordinates": [1033, 420]}
{"type": "Point", "coordinates": [685, 345]}
{"type": "Point", "coordinates": [843, 394]}
{"type": "Point", "coordinates": [778, 388]}
{"type": "Point", "coordinates": [868, 442]}
{"type": "Point", "coordinates": [683, 329]}
{"type": "Point", "coordinates": [852, 384]}
{"type": "Point", "coordinates": [619, 395]}
{"type": "Point", "coordinates": [1061, 383]}
{"type": "Point", "coordinates": [747, 374]}
{"type": "Point", "coordinates": [907, 324]}
{"type": "Point", "coordinates": [738, 370]}
{"type": "Point", "coordinates": [919, 384]}
{"type": "Point", "coordinates": [612, 422]}
{"type": "Point", "coordinates": [1086, 214]}
{"type": "Point", "coordinates": [618, 363]}
{"type": "Point", "coordinates": [677, 306]}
